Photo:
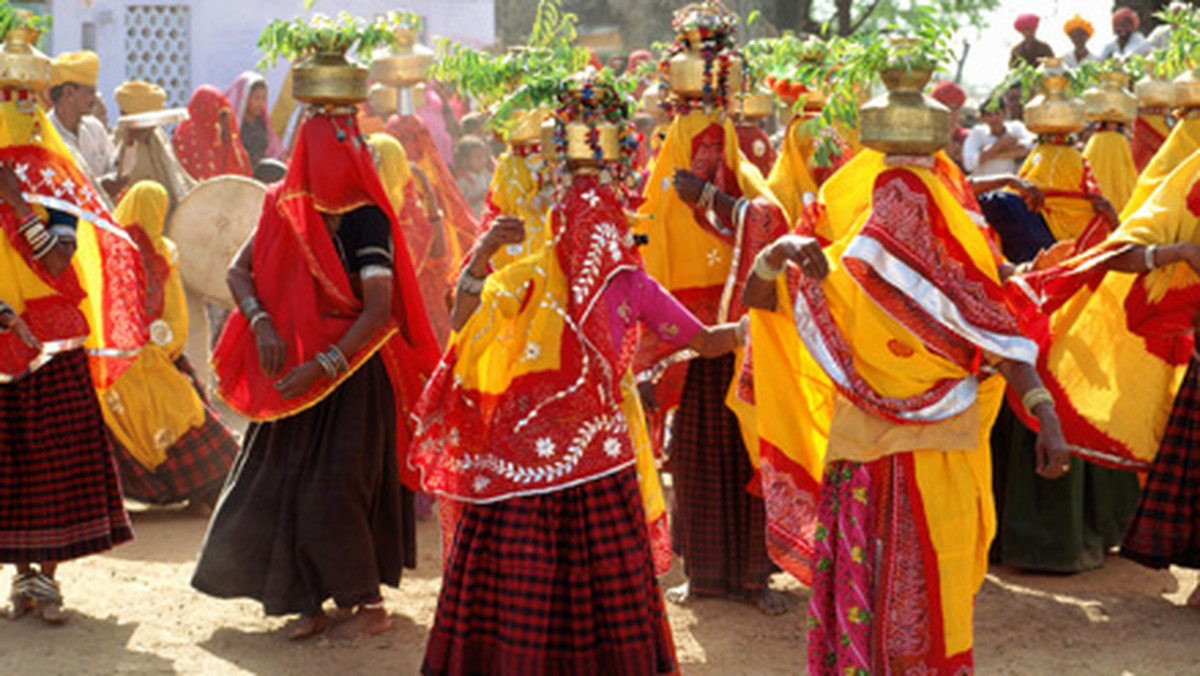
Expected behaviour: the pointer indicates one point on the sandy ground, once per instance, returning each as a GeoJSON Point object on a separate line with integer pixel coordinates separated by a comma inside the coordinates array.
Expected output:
{"type": "Point", "coordinates": [133, 612]}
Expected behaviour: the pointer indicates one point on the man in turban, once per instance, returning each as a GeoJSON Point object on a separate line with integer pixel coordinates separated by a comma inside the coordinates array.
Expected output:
{"type": "Point", "coordinates": [950, 94]}
{"type": "Point", "coordinates": [1128, 40]}
{"type": "Point", "coordinates": [1030, 49]}
{"type": "Point", "coordinates": [1079, 30]}
{"type": "Point", "coordinates": [73, 93]}
{"type": "Point", "coordinates": [146, 153]}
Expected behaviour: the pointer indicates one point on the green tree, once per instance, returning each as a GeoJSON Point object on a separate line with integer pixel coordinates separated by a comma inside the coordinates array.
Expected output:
{"type": "Point", "coordinates": [846, 17]}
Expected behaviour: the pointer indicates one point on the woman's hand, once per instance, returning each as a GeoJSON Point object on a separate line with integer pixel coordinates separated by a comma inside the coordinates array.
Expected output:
{"type": "Point", "coordinates": [10, 191]}
{"type": "Point", "coordinates": [300, 380]}
{"type": "Point", "coordinates": [1033, 195]}
{"type": "Point", "coordinates": [1053, 453]}
{"type": "Point", "coordinates": [1104, 209]}
{"type": "Point", "coordinates": [805, 252]}
{"type": "Point", "coordinates": [505, 230]}
{"type": "Point", "coordinates": [272, 351]}
{"type": "Point", "coordinates": [10, 321]}
{"type": "Point", "coordinates": [688, 186]}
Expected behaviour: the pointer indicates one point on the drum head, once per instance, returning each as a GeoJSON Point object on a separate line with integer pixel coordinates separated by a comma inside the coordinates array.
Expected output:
{"type": "Point", "coordinates": [209, 225]}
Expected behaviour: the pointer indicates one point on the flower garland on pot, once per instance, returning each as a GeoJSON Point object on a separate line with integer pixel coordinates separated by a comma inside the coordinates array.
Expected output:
{"type": "Point", "coordinates": [595, 98]}
{"type": "Point", "coordinates": [708, 29]}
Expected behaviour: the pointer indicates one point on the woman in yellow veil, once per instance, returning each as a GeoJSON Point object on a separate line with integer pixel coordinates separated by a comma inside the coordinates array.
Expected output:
{"type": "Point", "coordinates": [171, 445]}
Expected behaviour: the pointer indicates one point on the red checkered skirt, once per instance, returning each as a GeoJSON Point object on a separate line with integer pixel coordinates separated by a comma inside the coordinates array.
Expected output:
{"type": "Point", "coordinates": [60, 498]}
{"type": "Point", "coordinates": [720, 527]}
{"type": "Point", "coordinates": [195, 467]}
{"type": "Point", "coordinates": [560, 584]}
{"type": "Point", "coordinates": [1166, 528]}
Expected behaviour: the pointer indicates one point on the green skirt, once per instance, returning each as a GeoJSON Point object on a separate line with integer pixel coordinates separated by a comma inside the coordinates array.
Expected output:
{"type": "Point", "coordinates": [1064, 525]}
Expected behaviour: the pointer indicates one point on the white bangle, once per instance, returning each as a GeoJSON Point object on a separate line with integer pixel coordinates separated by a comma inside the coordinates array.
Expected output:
{"type": "Point", "coordinates": [470, 284]}
{"type": "Point", "coordinates": [1148, 257]}
{"type": "Point", "coordinates": [763, 268]}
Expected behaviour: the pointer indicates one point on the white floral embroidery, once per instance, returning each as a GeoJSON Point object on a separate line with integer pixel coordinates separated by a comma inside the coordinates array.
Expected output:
{"type": "Point", "coordinates": [22, 172]}
{"type": "Point", "coordinates": [481, 482]}
{"type": "Point", "coordinates": [714, 258]}
{"type": "Point", "coordinates": [612, 447]}
{"type": "Point", "coordinates": [591, 197]}
{"type": "Point", "coordinates": [545, 448]}
{"type": "Point", "coordinates": [532, 352]}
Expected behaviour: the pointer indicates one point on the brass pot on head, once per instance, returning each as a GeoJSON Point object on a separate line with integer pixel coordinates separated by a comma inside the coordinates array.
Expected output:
{"type": "Point", "coordinates": [328, 79]}
{"type": "Point", "coordinates": [1153, 91]}
{"type": "Point", "coordinates": [1051, 112]}
{"type": "Point", "coordinates": [685, 70]}
{"type": "Point", "coordinates": [527, 127]}
{"type": "Point", "coordinates": [406, 65]}
{"type": "Point", "coordinates": [22, 66]}
{"type": "Point", "coordinates": [904, 121]}
{"type": "Point", "coordinates": [1111, 100]}
{"type": "Point", "coordinates": [752, 106]}
{"type": "Point", "coordinates": [1187, 89]}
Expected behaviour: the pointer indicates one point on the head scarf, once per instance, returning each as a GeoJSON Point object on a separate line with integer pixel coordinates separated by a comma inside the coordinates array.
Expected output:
{"type": "Point", "coordinates": [238, 96]}
{"type": "Point", "coordinates": [1127, 13]}
{"type": "Point", "coordinates": [143, 214]}
{"type": "Point", "coordinates": [949, 94]}
{"type": "Point", "coordinates": [303, 285]}
{"type": "Point", "coordinates": [1026, 22]}
{"type": "Point", "coordinates": [1078, 23]}
{"type": "Point", "coordinates": [636, 58]}
{"type": "Point", "coordinates": [135, 97]}
{"type": "Point", "coordinates": [77, 68]}
{"type": "Point", "coordinates": [198, 141]}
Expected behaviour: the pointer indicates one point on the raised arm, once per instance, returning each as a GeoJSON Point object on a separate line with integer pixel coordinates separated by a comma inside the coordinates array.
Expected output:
{"type": "Point", "coordinates": [805, 252]}
{"type": "Point", "coordinates": [504, 230]}
{"type": "Point", "coordinates": [53, 246]}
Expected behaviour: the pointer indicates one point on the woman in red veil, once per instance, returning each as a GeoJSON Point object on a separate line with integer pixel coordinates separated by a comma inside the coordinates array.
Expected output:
{"type": "Point", "coordinates": [327, 352]}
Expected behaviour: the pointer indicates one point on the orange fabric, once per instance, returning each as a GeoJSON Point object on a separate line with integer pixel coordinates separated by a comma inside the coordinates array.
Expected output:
{"type": "Point", "coordinates": [458, 220]}
{"type": "Point", "coordinates": [198, 142]}
{"type": "Point", "coordinates": [303, 285]}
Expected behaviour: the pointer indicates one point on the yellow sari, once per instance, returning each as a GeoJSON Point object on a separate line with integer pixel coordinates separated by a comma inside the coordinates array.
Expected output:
{"type": "Point", "coordinates": [153, 403]}
{"type": "Point", "coordinates": [1183, 141]}
{"type": "Point", "coordinates": [516, 190]}
{"type": "Point", "coordinates": [1111, 160]}
{"type": "Point", "coordinates": [1065, 178]}
{"type": "Point", "coordinates": [899, 391]}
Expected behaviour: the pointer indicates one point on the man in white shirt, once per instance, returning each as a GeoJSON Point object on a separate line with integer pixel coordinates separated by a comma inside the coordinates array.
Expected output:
{"type": "Point", "coordinates": [996, 146]}
{"type": "Point", "coordinates": [73, 94]}
{"type": "Point", "coordinates": [1129, 40]}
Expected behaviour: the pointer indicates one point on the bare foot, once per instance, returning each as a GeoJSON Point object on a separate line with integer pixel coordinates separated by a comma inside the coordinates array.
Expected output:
{"type": "Point", "coordinates": [52, 612]}
{"type": "Point", "coordinates": [1194, 600]}
{"type": "Point", "coordinates": [366, 622]}
{"type": "Point", "coordinates": [310, 626]}
{"type": "Point", "coordinates": [770, 602]}
{"type": "Point", "coordinates": [680, 594]}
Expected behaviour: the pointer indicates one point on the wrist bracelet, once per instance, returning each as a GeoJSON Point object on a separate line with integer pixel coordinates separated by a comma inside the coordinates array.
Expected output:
{"type": "Point", "coordinates": [1148, 257]}
{"type": "Point", "coordinates": [1038, 395]}
{"type": "Point", "coordinates": [470, 284]}
{"type": "Point", "coordinates": [29, 223]}
{"type": "Point", "coordinates": [763, 268]}
{"type": "Point", "coordinates": [338, 358]}
{"type": "Point", "coordinates": [324, 361]}
{"type": "Point", "coordinates": [258, 316]}
{"type": "Point", "coordinates": [707, 195]}
{"type": "Point", "coordinates": [250, 306]}
{"type": "Point", "coordinates": [47, 245]}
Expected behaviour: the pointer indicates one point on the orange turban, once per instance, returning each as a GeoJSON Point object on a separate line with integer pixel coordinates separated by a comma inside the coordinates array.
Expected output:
{"type": "Point", "coordinates": [81, 68]}
{"type": "Point", "coordinates": [135, 97]}
{"type": "Point", "coordinates": [1078, 23]}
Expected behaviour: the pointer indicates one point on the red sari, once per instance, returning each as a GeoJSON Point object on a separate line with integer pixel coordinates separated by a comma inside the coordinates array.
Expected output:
{"type": "Point", "coordinates": [197, 140]}
{"type": "Point", "coordinates": [313, 304]}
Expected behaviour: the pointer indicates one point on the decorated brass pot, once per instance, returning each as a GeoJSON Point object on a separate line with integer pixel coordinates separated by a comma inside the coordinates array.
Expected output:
{"type": "Point", "coordinates": [329, 79]}
{"type": "Point", "coordinates": [1051, 112]}
{"type": "Point", "coordinates": [1153, 91]}
{"type": "Point", "coordinates": [1187, 90]}
{"type": "Point", "coordinates": [22, 66]}
{"type": "Point", "coordinates": [904, 121]}
{"type": "Point", "coordinates": [406, 65]}
{"type": "Point", "coordinates": [1111, 100]}
{"type": "Point", "coordinates": [528, 127]}
{"type": "Point", "coordinates": [685, 73]}
{"type": "Point", "coordinates": [753, 105]}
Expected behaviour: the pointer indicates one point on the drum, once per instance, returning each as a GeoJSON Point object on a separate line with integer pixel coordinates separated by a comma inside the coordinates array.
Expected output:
{"type": "Point", "coordinates": [209, 225]}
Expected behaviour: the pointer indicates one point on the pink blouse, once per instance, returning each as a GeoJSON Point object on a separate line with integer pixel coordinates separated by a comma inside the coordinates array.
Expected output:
{"type": "Point", "coordinates": [633, 296]}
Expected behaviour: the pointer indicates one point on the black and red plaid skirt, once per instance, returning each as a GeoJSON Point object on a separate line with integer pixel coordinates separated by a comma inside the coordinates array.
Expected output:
{"type": "Point", "coordinates": [195, 467]}
{"type": "Point", "coordinates": [560, 584]}
{"type": "Point", "coordinates": [719, 526]}
{"type": "Point", "coordinates": [60, 498]}
{"type": "Point", "coordinates": [1166, 528]}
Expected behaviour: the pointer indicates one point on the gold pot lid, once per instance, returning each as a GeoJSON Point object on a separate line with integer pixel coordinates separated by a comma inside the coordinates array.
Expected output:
{"type": "Point", "coordinates": [23, 66]}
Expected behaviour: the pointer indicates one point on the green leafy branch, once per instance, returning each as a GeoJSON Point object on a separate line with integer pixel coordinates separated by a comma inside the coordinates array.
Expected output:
{"type": "Point", "coordinates": [299, 38]}
{"type": "Point", "coordinates": [12, 17]}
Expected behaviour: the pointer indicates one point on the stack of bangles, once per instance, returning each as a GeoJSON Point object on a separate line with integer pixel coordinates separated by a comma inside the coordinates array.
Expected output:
{"type": "Point", "coordinates": [763, 268]}
{"type": "Point", "coordinates": [253, 311]}
{"type": "Point", "coordinates": [333, 361]}
{"type": "Point", "coordinates": [707, 195]}
{"type": "Point", "coordinates": [470, 284]}
{"type": "Point", "coordinates": [41, 241]}
{"type": "Point", "coordinates": [1038, 395]}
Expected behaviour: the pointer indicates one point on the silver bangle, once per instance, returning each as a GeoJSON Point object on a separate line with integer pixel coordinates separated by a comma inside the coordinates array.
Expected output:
{"type": "Point", "coordinates": [46, 247]}
{"type": "Point", "coordinates": [327, 365]}
{"type": "Point", "coordinates": [250, 306]}
{"type": "Point", "coordinates": [259, 316]}
{"type": "Point", "coordinates": [338, 358]}
{"type": "Point", "coordinates": [707, 195]}
{"type": "Point", "coordinates": [1148, 257]}
{"type": "Point", "coordinates": [470, 284]}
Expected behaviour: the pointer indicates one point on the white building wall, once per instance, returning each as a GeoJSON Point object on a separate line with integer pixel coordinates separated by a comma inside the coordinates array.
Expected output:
{"type": "Point", "coordinates": [224, 32]}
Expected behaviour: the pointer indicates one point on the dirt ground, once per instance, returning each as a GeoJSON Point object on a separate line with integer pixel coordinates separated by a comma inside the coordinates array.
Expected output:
{"type": "Point", "coordinates": [133, 612]}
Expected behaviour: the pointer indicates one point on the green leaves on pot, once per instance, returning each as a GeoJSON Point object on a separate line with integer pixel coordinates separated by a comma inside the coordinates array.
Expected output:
{"type": "Point", "coordinates": [298, 38]}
